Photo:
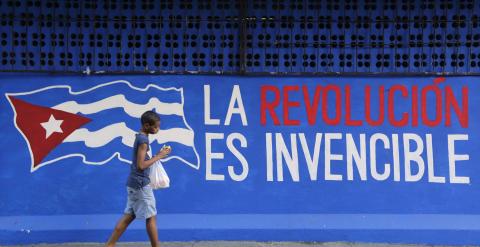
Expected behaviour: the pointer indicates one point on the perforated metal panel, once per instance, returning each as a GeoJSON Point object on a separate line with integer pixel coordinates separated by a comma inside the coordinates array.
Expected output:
{"type": "Point", "coordinates": [226, 36]}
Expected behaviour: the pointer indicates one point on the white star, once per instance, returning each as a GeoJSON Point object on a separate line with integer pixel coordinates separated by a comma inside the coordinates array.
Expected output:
{"type": "Point", "coordinates": [53, 125]}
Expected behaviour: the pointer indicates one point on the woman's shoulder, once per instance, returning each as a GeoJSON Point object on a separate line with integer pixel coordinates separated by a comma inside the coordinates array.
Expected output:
{"type": "Point", "coordinates": [141, 138]}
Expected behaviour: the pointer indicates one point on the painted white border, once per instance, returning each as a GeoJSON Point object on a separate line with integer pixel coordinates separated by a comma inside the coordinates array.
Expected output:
{"type": "Point", "coordinates": [116, 154]}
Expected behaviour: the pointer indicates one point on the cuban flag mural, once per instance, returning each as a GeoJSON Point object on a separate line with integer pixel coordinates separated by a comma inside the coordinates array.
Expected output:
{"type": "Point", "coordinates": [99, 124]}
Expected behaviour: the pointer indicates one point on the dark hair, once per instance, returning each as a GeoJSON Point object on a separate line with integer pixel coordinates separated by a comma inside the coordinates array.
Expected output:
{"type": "Point", "coordinates": [149, 117]}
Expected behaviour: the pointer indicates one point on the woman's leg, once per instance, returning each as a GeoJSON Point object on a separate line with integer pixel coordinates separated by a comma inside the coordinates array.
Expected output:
{"type": "Point", "coordinates": [121, 226]}
{"type": "Point", "coordinates": [152, 231]}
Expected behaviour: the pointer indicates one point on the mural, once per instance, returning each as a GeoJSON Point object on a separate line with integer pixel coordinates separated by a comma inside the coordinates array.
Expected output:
{"type": "Point", "coordinates": [368, 159]}
{"type": "Point", "coordinates": [93, 140]}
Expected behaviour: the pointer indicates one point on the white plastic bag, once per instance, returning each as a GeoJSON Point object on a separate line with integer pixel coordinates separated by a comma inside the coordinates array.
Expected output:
{"type": "Point", "coordinates": [158, 176]}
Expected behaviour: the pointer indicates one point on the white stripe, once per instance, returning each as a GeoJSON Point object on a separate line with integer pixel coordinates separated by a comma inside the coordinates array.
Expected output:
{"type": "Point", "coordinates": [102, 137]}
{"type": "Point", "coordinates": [119, 101]}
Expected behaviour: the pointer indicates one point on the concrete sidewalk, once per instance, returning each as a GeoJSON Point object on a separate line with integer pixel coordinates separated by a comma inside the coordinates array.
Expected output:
{"type": "Point", "coordinates": [234, 244]}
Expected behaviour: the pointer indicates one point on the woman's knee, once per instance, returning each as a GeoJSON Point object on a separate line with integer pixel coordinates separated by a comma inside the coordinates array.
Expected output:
{"type": "Point", "coordinates": [152, 219]}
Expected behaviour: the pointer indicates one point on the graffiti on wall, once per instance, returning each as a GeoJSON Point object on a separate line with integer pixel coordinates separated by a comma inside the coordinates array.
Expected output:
{"type": "Point", "coordinates": [320, 152]}
{"type": "Point", "coordinates": [84, 124]}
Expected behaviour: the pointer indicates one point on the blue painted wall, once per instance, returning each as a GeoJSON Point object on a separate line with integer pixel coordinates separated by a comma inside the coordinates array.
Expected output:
{"type": "Point", "coordinates": [69, 200]}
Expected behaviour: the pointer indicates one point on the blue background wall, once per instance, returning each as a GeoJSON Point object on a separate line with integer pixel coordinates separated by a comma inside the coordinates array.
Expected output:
{"type": "Point", "coordinates": [69, 201]}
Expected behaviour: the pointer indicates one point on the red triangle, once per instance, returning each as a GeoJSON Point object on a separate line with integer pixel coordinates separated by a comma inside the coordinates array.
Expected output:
{"type": "Point", "coordinates": [28, 120]}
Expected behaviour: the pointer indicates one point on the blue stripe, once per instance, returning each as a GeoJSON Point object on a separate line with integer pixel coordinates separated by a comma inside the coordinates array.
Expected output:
{"type": "Point", "coordinates": [111, 116]}
{"type": "Point", "coordinates": [250, 221]}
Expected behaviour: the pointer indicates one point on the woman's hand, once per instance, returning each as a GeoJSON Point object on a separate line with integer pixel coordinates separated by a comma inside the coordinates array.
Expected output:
{"type": "Point", "coordinates": [164, 152]}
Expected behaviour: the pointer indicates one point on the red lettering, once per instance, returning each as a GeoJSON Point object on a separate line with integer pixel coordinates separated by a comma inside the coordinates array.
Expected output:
{"type": "Point", "coordinates": [415, 106]}
{"type": "Point", "coordinates": [381, 111]}
{"type": "Point", "coordinates": [450, 102]}
{"type": "Point", "coordinates": [287, 104]}
{"type": "Point", "coordinates": [311, 108]}
{"type": "Point", "coordinates": [438, 108]}
{"type": "Point", "coordinates": [348, 106]}
{"type": "Point", "coordinates": [338, 104]}
{"type": "Point", "coordinates": [391, 113]}
{"type": "Point", "coordinates": [269, 106]}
